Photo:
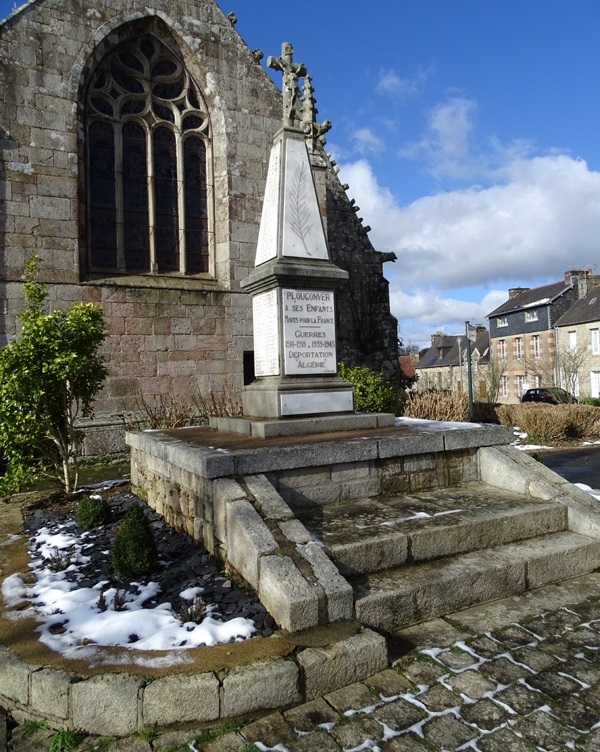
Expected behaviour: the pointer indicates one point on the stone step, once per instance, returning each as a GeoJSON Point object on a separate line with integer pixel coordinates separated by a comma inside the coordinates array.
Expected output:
{"type": "Point", "coordinates": [409, 594]}
{"type": "Point", "coordinates": [387, 531]}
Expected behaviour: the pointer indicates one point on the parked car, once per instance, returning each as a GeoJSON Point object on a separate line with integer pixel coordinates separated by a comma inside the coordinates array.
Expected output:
{"type": "Point", "coordinates": [549, 395]}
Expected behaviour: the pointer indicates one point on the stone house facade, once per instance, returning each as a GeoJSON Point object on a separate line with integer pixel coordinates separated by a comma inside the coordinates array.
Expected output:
{"type": "Point", "coordinates": [444, 365]}
{"type": "Point", "coordinates": [522, 334]}
{"type": "Point", "coordinates": [578, 346]}
{"type": "Point", "coordinates": [134, 146]}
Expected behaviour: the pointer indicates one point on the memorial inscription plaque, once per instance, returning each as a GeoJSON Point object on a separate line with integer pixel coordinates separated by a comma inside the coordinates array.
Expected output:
{"type": "Point", "coordinates": [266, 333]}
{"type": "Point", "coordinates": [308, 332]}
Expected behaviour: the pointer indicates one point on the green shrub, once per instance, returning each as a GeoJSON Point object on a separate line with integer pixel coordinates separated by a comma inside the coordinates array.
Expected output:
{"type": "Point", "coordinates": [134, 552]}
{"type": "Point", "coordinates": [590, 401]}
{"type": "Point", "coordinates": [437, 404]}
{"type": "Point", "coordinates": [373, 393]}
{"type": "Point", "coordinates": [49, 376]}
{"type": "Point", "coordinates": [91, 512]}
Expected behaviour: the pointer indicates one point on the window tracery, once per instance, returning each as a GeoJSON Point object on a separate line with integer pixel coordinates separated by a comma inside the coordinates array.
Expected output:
{"type": "Point", "coordinates": [147, 156]}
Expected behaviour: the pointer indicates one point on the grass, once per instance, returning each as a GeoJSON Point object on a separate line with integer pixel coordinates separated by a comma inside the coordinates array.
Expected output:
{"type": "Point", "coordinates": [32, 727]}
{"type": "Point", "coordinates": [65, 740]}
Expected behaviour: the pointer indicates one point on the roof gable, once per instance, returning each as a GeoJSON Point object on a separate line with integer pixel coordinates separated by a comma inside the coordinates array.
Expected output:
{"type": "Point", "coordinates": [537, 296]}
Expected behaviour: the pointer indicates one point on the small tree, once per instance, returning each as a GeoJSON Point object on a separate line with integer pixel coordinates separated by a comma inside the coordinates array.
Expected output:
{"type": "Point", "coordinates": [49, 377]}
{"type": "Point", "coordinates": [493, 380]}
{"type": "Point", "coordinates": [570, 363]}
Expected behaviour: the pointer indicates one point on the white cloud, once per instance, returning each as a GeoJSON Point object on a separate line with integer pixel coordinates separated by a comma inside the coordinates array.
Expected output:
{"type": "Point", "coordinates": [541, 220]}
{"type": "Point", "coordinates": [391, 83]}
{"type": "Point", "coordinates": [423, 311]}
{"type": "Point", "coordinates": [446, 144]}
{"type": "Point", "coordinates": [367, 142]}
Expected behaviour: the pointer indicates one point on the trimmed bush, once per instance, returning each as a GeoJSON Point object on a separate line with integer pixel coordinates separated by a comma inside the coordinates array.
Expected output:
{"type": "Point", "coordinates": [437, 404]}
{"type": "Point", "coordinates": [134, 552]}
{"type": "Point", "coordinates": [552, 423]}
{"type": "Point", "coordinates": [373, 393]}
{"type": "Point", "coordinates": [91, 512]}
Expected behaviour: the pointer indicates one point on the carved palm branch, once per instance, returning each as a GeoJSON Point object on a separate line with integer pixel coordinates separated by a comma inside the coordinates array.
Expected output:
{"type": "Point", "coordinates": [299, 210]}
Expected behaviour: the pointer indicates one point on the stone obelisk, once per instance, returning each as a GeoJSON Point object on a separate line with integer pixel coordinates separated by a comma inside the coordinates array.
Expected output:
{"type": "Point", "coordinates": [294, 281]}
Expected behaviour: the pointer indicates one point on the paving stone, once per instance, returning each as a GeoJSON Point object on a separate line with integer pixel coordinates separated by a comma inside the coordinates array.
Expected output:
{"type": "Point", "coordinates": [522, 700]}
{"type": "Point", "coordinates": [399, 714]}
{"type": "Point", "coordinates": [504, 671]}
{"type": "Point", "coordinates": [472, 684]}
{"type": "Point", "coordinates": [307, 717]}
{"type": "Point", "coordinates": [231, 742]}
{"type": "Point", "coordinates": [536, 659]}
{"type": "Point", "coordinates": [485, 647]}
{"type": "Point", "coordinates": [174, 739]}
{"type": "Point", "coordinates": [457, 659]}
{"type": "Point", "coordinates": [543, 628]}
{"type": "Point", "coordinates": [585, 637]}
{"type": "Point", "coordinates": [563, 619]}
{"type": "Point", "coordinates": [406, 743]}
{"type": "Point", "coordinates": [439, 698]}
{"type": "Point", "coordinates": [389, 683]}
{"type": "Point", "coordinates": [319, 740]}
{"type": "Point", "coordinates": [422, 671]}
{"type": "Point", "coordinates": [554, 685]}
{"type": "Point", "coordinates": [576, 713]}
{"type": "Point", "coordinates": [356, 731]}
{"type": "Point", "coordinates": [587, 671]}
{"type": "Point", "coordinates": [485, 714]}
{"type": "Point", "coordinates": [270, 730]}
{"type": "Point", "coordinates": [353, 697]}
{"type": "Point", "coordinates": [558, 648]}
{"type": "Point", "coordinates": [503, 740]}
{"type": "Point", "coordinates": [590, 743]}
{"type": "Point", "coordinates": [513, 637]}
{"type": "Point", "coordinates": [543, 730]}
{"type": "Point", "coordinates": [447, 733]}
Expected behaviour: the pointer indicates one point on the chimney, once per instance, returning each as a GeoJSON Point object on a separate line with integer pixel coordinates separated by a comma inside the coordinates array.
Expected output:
{"type": "Point", "coordinates": [514, 291]}
{"type": "Point", "coordinates": [480, 329]}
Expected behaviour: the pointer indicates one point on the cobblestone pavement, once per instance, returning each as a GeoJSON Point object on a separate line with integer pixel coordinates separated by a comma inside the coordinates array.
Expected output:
{"type": "Point", "coordinates": [532, 683]}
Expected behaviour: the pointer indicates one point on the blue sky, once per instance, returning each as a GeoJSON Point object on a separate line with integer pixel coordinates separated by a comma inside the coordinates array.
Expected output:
{"type": "Point", "coordinates": [468, 130]}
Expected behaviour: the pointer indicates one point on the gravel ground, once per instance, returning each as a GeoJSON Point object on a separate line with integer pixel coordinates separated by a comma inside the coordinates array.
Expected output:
{"type": "Point", "coordinates": [183, 563]}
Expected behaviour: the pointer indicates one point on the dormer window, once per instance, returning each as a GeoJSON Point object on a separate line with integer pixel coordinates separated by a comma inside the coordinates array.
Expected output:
{"type": "Point", "coordinates": [531, 316]}
{"type": "Point", "coordinates": [502, 321]}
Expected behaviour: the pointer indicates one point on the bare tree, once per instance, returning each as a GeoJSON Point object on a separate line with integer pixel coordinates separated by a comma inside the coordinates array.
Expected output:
{"type": "Point", "coordinates": [570, 363]}
{"type": "Point", "coordinates": [493, 380]}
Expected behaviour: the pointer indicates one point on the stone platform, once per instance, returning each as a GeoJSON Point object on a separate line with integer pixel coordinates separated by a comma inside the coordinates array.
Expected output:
{"type": "Point", "coordinates": [351, 540]}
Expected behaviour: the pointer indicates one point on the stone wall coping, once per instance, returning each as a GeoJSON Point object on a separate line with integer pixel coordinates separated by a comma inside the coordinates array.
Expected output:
{"type": "Point", "coordinates": [118, 703]}
{"type": "Point", "coordinates": [214, 454]}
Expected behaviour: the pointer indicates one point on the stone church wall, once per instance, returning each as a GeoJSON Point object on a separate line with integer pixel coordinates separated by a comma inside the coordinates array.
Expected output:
{"type": "Point", "coordinates": [169, 334]}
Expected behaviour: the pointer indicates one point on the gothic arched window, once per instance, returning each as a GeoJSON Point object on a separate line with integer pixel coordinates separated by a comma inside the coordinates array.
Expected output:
{"type": "Point", "coordinates": [147, 142]}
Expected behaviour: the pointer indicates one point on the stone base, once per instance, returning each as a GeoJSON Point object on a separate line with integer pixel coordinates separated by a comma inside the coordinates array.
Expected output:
{"type": "Point", "coordinates": [265, 428]}
{"type": "Point", "coordinates": [285, 397]}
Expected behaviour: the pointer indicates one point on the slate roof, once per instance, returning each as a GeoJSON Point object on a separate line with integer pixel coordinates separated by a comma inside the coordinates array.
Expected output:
{"type": "Point", "coordinates": [450, 351]}
{"type": "Point", "coordinates": [536, 296]}
{"type": "Point", "coordinates": [584, 310]}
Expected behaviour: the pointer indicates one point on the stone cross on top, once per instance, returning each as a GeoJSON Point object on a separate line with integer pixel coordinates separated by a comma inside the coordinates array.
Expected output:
{"type": "Point", "coordinates": [291, 73]}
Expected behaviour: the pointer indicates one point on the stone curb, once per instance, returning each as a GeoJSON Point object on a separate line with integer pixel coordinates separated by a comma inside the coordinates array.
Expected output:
{"type": "Point", "coordinates": [118, 704]}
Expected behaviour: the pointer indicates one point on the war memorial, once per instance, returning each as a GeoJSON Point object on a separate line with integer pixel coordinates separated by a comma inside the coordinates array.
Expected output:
{"type": "Point", "coordinates": [353, 529]}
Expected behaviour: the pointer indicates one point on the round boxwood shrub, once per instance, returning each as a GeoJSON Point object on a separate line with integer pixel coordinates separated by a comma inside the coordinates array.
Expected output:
{"type": "Point", "coordinates": [92, 511]}
{"type": "Point", "coordinates": [134, 552]}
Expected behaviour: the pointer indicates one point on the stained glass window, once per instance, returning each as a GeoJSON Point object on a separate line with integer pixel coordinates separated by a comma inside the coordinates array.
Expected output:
{"type": "Point", "coordinates": [147, 156]}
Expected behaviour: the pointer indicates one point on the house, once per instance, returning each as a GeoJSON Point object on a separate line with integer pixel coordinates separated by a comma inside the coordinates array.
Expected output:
{"type": "Point", "coordinates": [444, 365]}
{"type": "Point", "coordinates": [134, 148]}
{"type": "Point", "coordinates": [522, 334]}
{"type": "Point", "coordinates": [578, 346]}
